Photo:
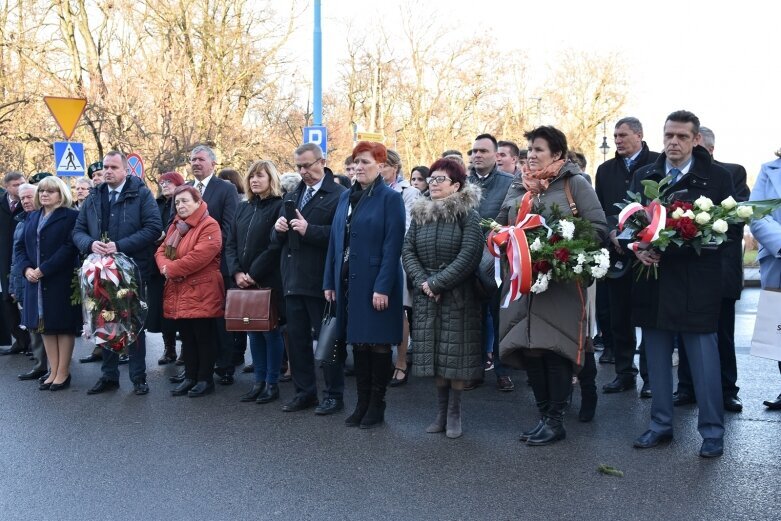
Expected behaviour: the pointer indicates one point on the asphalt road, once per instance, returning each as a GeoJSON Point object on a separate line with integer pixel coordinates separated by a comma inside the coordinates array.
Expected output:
{"type": "Point", "coordinates": [117, 456]}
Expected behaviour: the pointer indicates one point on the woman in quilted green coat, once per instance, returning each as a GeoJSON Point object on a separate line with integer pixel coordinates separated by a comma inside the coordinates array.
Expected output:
{"type": "Point", "coordinates": [442, 249]}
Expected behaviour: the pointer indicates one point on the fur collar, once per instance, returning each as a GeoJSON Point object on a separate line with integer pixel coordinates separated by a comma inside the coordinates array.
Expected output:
{"type": "Point", "coordinates": [449, 209]}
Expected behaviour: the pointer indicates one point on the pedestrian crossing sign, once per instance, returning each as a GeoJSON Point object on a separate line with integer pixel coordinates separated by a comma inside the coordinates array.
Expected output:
{"type": "Point", "coordinates": [69, 158]}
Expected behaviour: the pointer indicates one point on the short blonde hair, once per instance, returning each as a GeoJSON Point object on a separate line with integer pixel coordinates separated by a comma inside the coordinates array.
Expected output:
{"type": "Point", "coordinates": [51, 182]}
{"type": "Point", "coordinates": [275, 186]}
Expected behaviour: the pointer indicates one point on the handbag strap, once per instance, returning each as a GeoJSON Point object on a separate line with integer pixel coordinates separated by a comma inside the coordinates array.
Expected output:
{"type": "Point", "coordinates": [571, 200]}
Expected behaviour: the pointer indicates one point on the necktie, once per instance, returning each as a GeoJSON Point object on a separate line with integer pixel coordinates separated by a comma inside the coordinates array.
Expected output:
{"type": "Point", "coordinates": [629, 162]}
{"type": "Point", "coordinates": [199, 186]}
{"type": "Point", "coordinates": [112, 196]}
{"type": "Point", "coordinates": [13, 206]}
{"type": "Point", "coordinates": [676, 174]}
{"type": "Point", "coordinates": [310, 192]}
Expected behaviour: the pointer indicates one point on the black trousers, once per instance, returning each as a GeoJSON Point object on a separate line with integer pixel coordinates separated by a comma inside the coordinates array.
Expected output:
{"type": "Point", "coordinates": [622, 330]}
{"type": "Point", "coordinates": [304, 315]}
{"type": "Point", "coordinates": [199, 347]}
{"type": "Point", "coordinates": [21, 338]}
{"type": "Point", "coordinates": [603, 313]}
{"type": "Point", "coordinates": [726, 342]}
{"type": "Point", "coordinates": [225, 341]}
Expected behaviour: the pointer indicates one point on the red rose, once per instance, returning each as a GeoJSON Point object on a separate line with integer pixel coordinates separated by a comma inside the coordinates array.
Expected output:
{"type": "Point", "coordinates": [686, 228]}
{"type": "Point", "coordinates": [554, 239]}
{"type": "Point", "coordinates": [541, 266]}
{"type": "Point", "coordinates": [562, 254]}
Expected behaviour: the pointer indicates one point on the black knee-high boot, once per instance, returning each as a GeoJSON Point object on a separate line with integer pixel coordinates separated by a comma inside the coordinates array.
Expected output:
{"type": "Point", "coordinates": [363, 384]}
{"type": "Point", "coordinates": [535, 371]}
{"type": "Point", "coordinates": [588, 388]}
{"type": "Point", "coordinates": [558, 371]}
{"type": "Point", "coordinates": [382, 371]}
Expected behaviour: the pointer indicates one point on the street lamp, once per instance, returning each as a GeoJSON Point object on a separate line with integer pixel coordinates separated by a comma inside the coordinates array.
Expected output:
{"type": "Point", "coordinates": [604, 147]}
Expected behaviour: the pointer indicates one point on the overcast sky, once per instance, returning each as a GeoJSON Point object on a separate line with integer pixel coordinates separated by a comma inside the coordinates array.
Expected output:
{"type": "Point", "coordinates": [717, 59]}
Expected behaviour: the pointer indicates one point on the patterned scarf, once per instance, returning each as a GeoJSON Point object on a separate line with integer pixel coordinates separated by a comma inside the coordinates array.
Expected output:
{"type": "Point", "coordinates": [539, 181]}
{"type": "Point", "coordinates": [180, 229]}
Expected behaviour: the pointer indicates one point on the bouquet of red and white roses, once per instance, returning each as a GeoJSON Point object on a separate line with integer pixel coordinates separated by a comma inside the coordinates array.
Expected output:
{"type": "Point", "coordinates": [540, 250]}
{"type": "Point", "coordinates": [666, 220]}
{"type": "Point", "coordinates": [112, 308]}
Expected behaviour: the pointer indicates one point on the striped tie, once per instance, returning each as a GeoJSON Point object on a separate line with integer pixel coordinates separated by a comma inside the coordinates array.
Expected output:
{"type": "Point", "coordinates": [310, 192]}
{"type": "Point", "coordinates": [676, 174]}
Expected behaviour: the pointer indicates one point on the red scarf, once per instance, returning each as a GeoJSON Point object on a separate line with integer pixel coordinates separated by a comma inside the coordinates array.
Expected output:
{"type": "Point", "coordinates": [539, 181]}
{"type": "Point", "coordinates": [180, 227]}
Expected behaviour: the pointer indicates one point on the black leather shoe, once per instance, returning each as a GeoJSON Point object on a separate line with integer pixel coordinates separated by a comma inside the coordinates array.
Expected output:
{"type": "Point", "coordinates": [202, 388]}
{"type": "Point", "coordinates": [284, 378]}
{"type": "Point", "coordinates": [774, 405]}
{"type": "Point", "coordinates": [103, 386]}
{"type": "Point", "coordinates": [712, 448]}
{"type": "Point", "coordinates": [13, 350]}
{"type": "Point", "coordinates": [269, 394]}
{"type": "Point", "coordinates": [140, 387]}
{"type": "Point", "coordinates": [471, 385]}
{"type": "Point", "coordinates": [253, 393]}
{"type": "Point", "coordinates": [123, 359]}
{"type": "Point", "coordinates": [249, 368]}
{"type": "Point", "coordinates": [733, 404]}
{"type": "Point", "coordinates": [63, 385]}
{"type": "Point", "coordinates": [300, 403]}
{"type": "Point", "coordinates": [44, 386]}
{"type": "Point", "coordinates": [651, 439]}
{"type": "Point", "coordinates": [607, 356]}
{"type": "Point", "coordinates": [619, 384]}
{"type": "Point", "coordinates": [505, 384]}
{"type": "Point", "coordinates": [177, 378]}
{"type": "Point", "coordinates": [226, 379]}
{"type": "Point", "coordinates": [32, 374]}
{"type": "Point", "coordinates": [91, 358]}
{"type": "Point", "coordinates": [44, 377]}
{"type": "Point", "coordinates": [183, 388]}
{"type": "Point", "coordinates": [329, 406]}
{"type": "Point", "coordinates": [680, 399]}
{"type": "Point", "coordinates": [645, 392]}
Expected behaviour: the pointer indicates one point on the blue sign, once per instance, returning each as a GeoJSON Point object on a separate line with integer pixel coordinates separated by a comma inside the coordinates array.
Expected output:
{"type": "Point", "coordinates": [317, 135]}
{"type": "Point", "coordinates": [69, 158]}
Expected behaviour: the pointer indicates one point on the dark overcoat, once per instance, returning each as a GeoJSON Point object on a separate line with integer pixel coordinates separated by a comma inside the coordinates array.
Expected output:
{"type": "Point", "coordinates": [58, 259]}
{"type": "Point", "coordinates": [376, 237]}
{"type": "Point", "coordinates": [687, 294]}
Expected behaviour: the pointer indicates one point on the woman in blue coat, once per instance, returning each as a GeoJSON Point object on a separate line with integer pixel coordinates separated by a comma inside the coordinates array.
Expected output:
{"type": "Point", "coordinates": [767, 231]}
{"type": "Point", "coordinates": [47, 257]}
{"type": "Point", "coordinates": [363, 277]}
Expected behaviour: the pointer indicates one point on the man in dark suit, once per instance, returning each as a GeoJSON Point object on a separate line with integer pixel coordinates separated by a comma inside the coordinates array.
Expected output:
{"type": "Point", "coordinates": [124, 210]}
{"type": "Point", "coordinates": [9, 209]}
{"type": "Point", "coordinates": [222, 199]}
{"type": "Point", "coordinates": [612, 181]}
{"type": "Point", "coordinates": [683, 300]}
{"type": "Point", "coordinates": [303, 265]}
{"type": "Point", "coordinates": [732, 285]}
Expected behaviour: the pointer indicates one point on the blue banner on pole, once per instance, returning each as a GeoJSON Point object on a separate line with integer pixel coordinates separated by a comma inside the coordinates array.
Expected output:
{"type": "Point", "coordinates": [317, 135]}
{"type": "Point", "coordinates": [69, 158]}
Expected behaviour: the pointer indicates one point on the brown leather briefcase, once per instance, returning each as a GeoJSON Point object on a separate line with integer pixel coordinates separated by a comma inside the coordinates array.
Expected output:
{"type": "Point", "coordinates": [250, 310]}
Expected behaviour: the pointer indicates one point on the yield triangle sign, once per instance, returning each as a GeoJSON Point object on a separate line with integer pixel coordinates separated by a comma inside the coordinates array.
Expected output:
{"type": "Point", "coordinates": [66, 112]}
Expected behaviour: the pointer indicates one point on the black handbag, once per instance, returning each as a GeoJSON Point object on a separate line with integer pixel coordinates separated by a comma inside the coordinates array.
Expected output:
{"type": "Point", "coordinates": [330, 342]}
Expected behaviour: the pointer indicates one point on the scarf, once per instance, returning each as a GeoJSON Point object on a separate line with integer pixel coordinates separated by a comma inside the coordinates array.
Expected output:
{"type": "Point", "coordinates": [539, 181]}
{"type": "Point", "coordinates": [180, 228]}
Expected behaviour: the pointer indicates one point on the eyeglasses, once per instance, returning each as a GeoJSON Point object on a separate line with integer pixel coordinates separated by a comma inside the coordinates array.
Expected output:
{"type": "Point", "coordinates": [165, 182]}
{"type": "Point", "coordinates": [307, 166]}
{"type": "Point", "coordinates": [437, 179]}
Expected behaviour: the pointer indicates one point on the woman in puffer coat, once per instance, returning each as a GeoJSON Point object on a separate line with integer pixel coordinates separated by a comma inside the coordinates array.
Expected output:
{"type": "Point", "coordinates": [189, 259]}
{"type": "Point", "coordinates": [441, 252]}
{"type": "Point", "coordinates": [546, 333]}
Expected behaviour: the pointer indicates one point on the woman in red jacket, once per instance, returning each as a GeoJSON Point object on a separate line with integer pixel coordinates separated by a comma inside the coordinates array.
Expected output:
{"type": "Point", "coordinates": [189, 259]}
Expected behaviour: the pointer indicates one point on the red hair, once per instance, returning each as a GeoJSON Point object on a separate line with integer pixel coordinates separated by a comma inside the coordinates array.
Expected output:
{"type": "Point", "coordinates": [377, 150]}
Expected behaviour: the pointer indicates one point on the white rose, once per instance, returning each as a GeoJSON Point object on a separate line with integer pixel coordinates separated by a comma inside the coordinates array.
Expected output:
{"type": "Point", "coordinates": [702, 218]}
{"type": "Point", "coordinates": [720, 226]}
{"type": "Point", "coordinates": [677, 214]}
{"type": "Point", "coordinates": [744, 212]}
{"type": "Point", "coordinates": [689, 214]}
{"type": "Point", "coordinates": [536, 245]}
{"type": "Point", "coordinates": [703, 203]}
{"type": "Point", "coordinates": [729, 203]}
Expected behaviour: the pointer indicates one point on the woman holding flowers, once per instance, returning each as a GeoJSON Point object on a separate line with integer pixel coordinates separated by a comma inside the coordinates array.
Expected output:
{"type": "Point", "coordinates": [47, 258]}
{"type": "Point", "coordinates": [545, 331]}
{"type": "Point", "coordinates": [189, 259]}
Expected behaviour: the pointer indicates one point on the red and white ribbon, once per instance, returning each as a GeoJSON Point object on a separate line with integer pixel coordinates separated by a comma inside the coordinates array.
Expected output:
{"type": "Point", "coordinates": [656, 214]}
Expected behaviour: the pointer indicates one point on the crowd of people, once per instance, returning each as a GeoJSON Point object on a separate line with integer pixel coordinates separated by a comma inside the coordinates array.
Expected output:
{"type": "Point", "coordinates": [397, 261]}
